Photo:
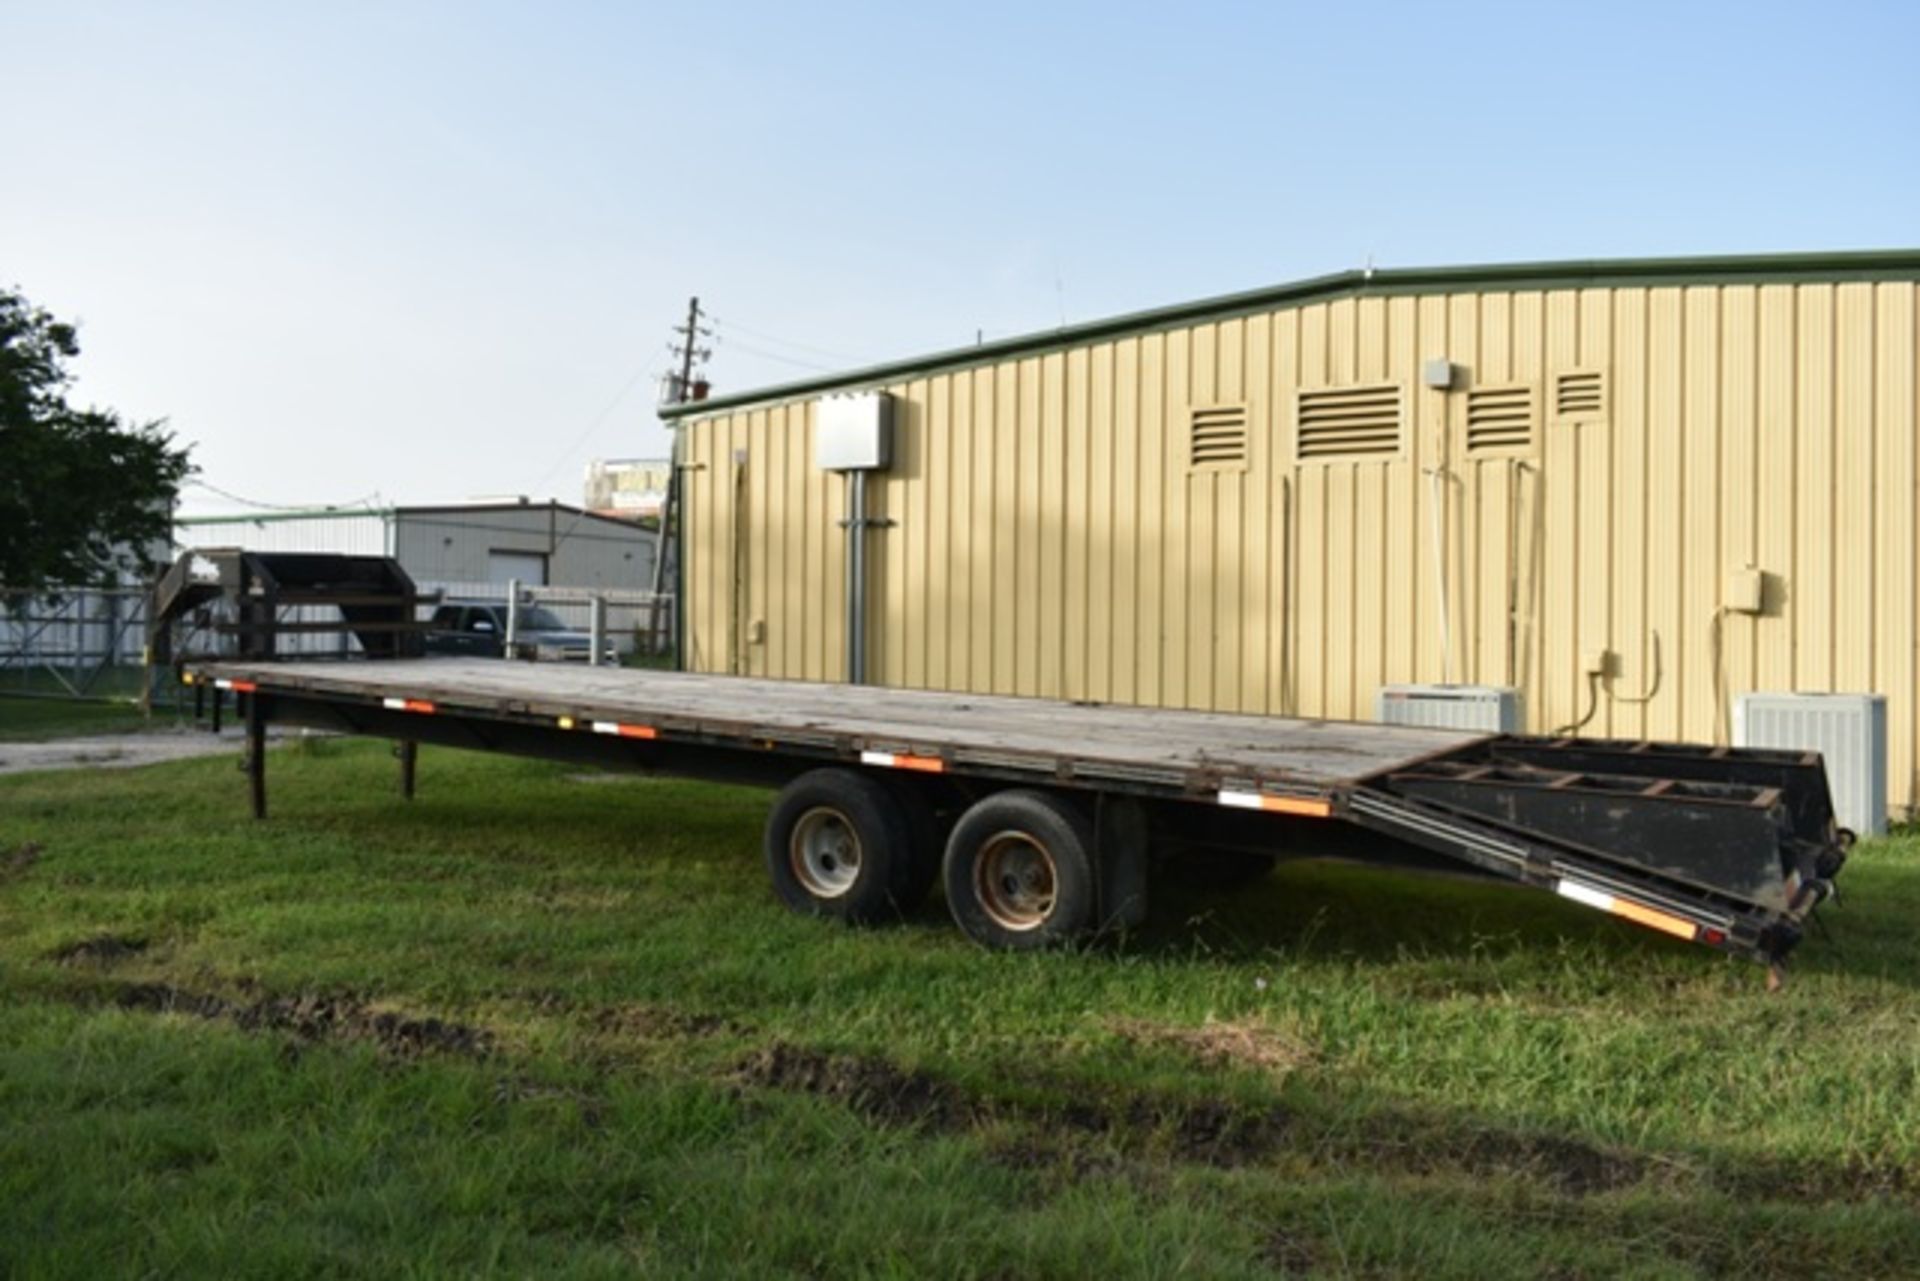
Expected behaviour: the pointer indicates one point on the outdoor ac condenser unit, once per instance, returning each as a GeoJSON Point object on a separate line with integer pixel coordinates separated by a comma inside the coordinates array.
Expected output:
{"type": "Point", "coordinates": [1492, 708]}
{"type": "Point", "coordinates": [1849, 730]}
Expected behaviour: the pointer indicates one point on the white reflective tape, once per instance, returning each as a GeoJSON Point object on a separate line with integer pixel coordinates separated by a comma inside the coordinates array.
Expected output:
{"type": "Point", "coordinates": [877, 758]}
{"type": "Point", "coordinates": [1242, 800]}
{"type": "Point", "coordinates": [223, 684]}
{"type": "Point", "coordinates": [394, 704]}
{"type": "Point", "coordinates": [1586, 894]}
{"type": "Point", "coordinates": [606, 727]}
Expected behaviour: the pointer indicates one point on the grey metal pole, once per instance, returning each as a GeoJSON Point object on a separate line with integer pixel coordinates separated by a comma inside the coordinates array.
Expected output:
{"type": "Point", "coordinates": [596, 629]}
{"type": "Point", "coordinates": [513, 617]}
{"type": "Point", "coordinates": [857, 577]}
{"type": "Point", "coordinates": [661, 540]}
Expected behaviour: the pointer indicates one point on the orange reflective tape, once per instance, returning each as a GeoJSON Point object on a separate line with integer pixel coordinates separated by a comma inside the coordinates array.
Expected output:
{"type": "Point", "coordinates": [623, 730]}
{"type": "Point", "coordinates": [1302, 806]}
{"type": "Point", "coordinates": [244, 687]}
{"type": "Point", "coordinates": [897, 760]}
{"type": "Point", "coordinates": [1638, 913]}
{"type": "Point", "coordinates": [1653, 920]}
{"type": "Point", "coordinates": [419, 705]}
{"type": "Point", "coordinates": [1296, 805]}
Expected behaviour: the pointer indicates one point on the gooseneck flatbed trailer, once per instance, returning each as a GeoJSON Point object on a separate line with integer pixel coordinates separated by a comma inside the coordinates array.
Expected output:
{"type": "Point", "coordinates": [1041, 817]}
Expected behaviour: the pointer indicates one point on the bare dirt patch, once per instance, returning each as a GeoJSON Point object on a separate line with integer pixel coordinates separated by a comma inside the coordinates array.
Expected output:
{"type": "Point", "coordinates": [1574, 1167]}
{"type": "Point", "coordinates": [19, 859]}
{"type": "Point", "coordinates": [311, 1017]}
{"type": "Point", "coordinates": [871, 1087]}
{"type": "Point", "coordinates": [102, 949]}
{"type": "Point", "coordinates": [1087, 1134]}
{"type": "Point", "coordinates": [652, 1023]}
{"type": "Point", "coordinates": [1216, 1043]}
{"type": "Point", "coordinates": [1857, 1178]}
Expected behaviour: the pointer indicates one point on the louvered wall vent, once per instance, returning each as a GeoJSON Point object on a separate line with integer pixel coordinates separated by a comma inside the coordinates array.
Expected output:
{"type": "Point", "coordinates": [1336, 423]}
{"type": "Point", "coordinates": [1500, 420]}
{"type": "Point", "coordinates": [1579, 395]}
{"type": "Point", "coordinates": [1217, 436]}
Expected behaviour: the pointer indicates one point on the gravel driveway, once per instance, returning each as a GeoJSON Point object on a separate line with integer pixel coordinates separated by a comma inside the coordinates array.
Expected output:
{"type": "Point", "coordinates": [116, 751]}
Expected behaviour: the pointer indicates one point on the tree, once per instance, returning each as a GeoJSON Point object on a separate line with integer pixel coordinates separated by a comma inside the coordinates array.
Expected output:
{"type": "Point", "coordinates": [82, 493]}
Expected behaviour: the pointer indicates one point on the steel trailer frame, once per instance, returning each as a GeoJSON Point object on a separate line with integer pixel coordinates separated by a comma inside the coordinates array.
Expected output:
{"type": "Point", "coordinates": [1728, 849]}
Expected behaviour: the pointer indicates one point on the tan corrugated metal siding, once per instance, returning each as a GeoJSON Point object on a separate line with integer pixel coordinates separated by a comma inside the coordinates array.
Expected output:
{"type": "Point", "coordinates": [1056, 537]}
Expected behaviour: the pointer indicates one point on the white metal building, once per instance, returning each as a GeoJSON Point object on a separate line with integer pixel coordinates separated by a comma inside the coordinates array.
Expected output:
{"type": "Point", "coordinates": [538, 544]}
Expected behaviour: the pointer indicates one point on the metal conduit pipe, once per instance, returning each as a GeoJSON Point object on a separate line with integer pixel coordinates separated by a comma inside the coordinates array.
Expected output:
{"type": "Point", "coordinates": [856, 527]}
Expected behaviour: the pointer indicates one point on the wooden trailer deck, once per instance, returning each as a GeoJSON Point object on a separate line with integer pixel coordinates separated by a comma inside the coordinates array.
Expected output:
{"type": "Point", "coordinates": [1186, 749]}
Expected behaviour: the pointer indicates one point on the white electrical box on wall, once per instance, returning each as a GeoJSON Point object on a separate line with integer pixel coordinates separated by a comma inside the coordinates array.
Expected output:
{"type": "Point", "coordinates": [854, 431]}
{"type": "Point", "coordinates": [1848, 730]}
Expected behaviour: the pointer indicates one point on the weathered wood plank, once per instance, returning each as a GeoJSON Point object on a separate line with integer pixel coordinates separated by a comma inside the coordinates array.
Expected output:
{"type": "Point", "coordinates": [1326, 753]}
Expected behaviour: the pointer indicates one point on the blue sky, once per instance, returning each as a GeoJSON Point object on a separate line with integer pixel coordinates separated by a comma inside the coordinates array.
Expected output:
{"type": "Point", "coordinates": [433, 250]}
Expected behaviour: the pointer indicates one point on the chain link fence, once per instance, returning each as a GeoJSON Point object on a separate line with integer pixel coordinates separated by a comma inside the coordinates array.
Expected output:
{"type": "Point", "coordinates": [87, 643]}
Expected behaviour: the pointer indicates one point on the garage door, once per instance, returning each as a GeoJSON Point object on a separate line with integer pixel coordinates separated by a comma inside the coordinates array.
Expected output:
{"type": "Point", "coordinates": [527, 568]}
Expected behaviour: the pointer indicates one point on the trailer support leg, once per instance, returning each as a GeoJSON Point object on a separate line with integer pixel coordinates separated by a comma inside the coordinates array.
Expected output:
{"type": "Point", "coordinates": [409, 753]}
{"type": "Point", "coordinates": [256, 756]}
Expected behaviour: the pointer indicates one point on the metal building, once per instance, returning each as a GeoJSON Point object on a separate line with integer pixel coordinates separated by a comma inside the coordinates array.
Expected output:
{"type": "Point", "coordinates": [539, 544]}
{"type": "Point", "coordinates": [1631, 490]}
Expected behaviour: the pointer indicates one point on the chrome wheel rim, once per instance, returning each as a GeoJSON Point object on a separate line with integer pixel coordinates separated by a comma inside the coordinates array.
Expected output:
{"type": "Point", "coordinates": [825, 853]}
{"type": "Point", "coordinates": [1015, 880]}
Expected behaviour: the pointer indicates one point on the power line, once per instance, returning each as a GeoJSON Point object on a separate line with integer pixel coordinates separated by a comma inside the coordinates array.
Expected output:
{"type": "Point", "coordinates": [364, 501]}
{"type": "Point", "coordinates": [592, 427]}
{"type": "Point", "coordinates": [778, 341]}
{"type": "Point", "coordinates": [764, 354]}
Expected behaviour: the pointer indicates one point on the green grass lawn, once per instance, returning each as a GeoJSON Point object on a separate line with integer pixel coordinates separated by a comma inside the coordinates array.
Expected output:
{"type": "Point", "coordinates": [542, 1023]}
{"type": "Point", "coordinates": [35, 719]}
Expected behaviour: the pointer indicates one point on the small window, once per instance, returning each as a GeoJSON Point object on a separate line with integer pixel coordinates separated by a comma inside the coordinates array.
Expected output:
{"type": "Point", "coordinates": [1579, 396]}
{"type": "Point", "coordinates": [1217, 436]}
{"type": "Point", "coordinates": [447, 617]}
{"type": "Point", "coordinates": [1345, 424]}
{"type": "Point", "coordinates": [1500, 420]}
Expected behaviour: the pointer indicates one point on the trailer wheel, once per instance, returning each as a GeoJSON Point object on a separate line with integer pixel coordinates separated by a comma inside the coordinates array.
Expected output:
{"type": "Point", "coordinates": [840, 844]}
{"type": "Point", "coordinates": [1019, 871]}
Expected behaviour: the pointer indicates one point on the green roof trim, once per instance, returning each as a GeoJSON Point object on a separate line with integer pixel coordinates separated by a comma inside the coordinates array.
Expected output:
{"type": "Point", "coordinates": [1875, 264]}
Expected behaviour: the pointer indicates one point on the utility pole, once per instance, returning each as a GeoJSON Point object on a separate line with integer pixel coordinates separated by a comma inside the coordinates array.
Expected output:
{"type": "Point", "coordinates": [682, 388]}
{"type": "Point", "coordinates": [689, 348]}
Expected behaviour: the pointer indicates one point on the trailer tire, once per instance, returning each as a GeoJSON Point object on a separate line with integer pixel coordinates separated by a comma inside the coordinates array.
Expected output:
{"type": "Point", "coordinates": [840, 844]}
{"type": "Point", "coordinates": [1019, 872]}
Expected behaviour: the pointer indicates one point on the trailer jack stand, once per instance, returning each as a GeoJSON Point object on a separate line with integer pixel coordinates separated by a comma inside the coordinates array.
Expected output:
{"type": "Point", "coordinates": [408, 753]}
{"type": "Point", "coordinates": [256, 757]}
